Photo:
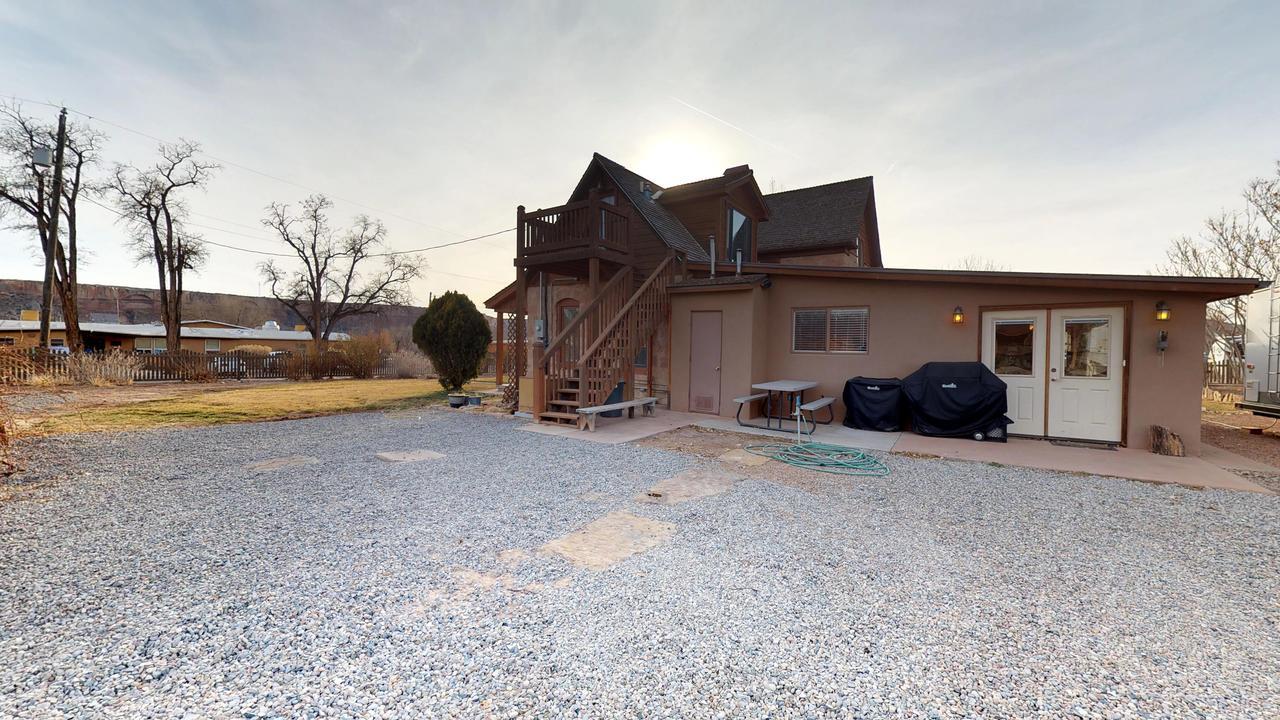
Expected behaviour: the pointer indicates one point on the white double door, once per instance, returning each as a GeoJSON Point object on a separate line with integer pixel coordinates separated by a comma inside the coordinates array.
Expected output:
{"type": "Point", "coordinates": [1064, 368]}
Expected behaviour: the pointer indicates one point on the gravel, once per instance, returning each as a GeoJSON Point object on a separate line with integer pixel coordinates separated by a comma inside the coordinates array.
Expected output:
{"type": "Point", "coordinates": [161, 578]}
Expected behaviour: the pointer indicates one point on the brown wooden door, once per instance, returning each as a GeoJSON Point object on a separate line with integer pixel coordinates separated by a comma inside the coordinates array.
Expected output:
{"type": "Point", "coordinates": [704, 362]}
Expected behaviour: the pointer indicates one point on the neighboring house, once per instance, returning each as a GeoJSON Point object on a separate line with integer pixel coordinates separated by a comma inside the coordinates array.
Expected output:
{"type": "Point", "coordinates": [197, 336]}
{"type": "Point", "coordinates": [619, 284]}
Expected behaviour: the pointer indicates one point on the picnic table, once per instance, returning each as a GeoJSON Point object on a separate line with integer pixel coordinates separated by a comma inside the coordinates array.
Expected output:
{"type": "Point", "coordinates": [790, 396]}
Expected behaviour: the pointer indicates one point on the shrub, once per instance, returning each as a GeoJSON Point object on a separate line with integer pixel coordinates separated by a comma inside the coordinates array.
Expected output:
{"type": "Point", "coordinates": [252, 349]}
{"type": "Point", "coordinates": [362, 354]}
{"type": "Point", "coordinates": [193, 366]}
{"type": "Point", "coordinates": [455, 335]}
{"type": "Point", "coordinates": [114, 368]}
{"type": "Point", "coordinates": [307, 366]}
{"type": "Point", "coordinates": [410, 364]}
{"type": "Point", "coordinates": [7, 464]}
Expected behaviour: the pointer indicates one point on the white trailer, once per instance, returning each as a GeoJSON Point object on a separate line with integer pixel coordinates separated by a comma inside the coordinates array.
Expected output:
{"type": "Point", "coordinates": [1262, 353]}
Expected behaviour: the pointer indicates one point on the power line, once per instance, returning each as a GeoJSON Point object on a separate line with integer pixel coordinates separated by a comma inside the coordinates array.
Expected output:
{"type": "Point", "coordinates": [288, 255]}
{"type": "Point", "coordinates": [246, 168]}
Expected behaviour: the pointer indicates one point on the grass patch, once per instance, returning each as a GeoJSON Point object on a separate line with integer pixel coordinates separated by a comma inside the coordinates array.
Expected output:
{"type": "Point", "coordinates": [1218, 406]}
{"type": "Point", "coordinates": [252, 404]}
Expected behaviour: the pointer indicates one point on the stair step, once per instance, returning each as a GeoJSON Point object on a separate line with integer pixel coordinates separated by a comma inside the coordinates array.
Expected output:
{"type": "Point", "coordinates": [569, 391]}
{"type": "Point", "coordinates": [566, 403]}
{"type": "Point", "coordinates": [559, 415]}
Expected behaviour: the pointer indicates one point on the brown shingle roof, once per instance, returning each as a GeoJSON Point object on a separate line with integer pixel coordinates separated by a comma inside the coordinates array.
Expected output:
{"type": "Point", "coordinates": [664, 224]}
{"type": "Point", "coordinates": [815, 218]}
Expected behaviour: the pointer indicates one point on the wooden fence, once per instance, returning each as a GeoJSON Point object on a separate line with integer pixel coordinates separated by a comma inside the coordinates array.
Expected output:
{"type": "Point", "coordinates": [1228, 373]}
{"type": "Point", "coordinates": [19, 365]}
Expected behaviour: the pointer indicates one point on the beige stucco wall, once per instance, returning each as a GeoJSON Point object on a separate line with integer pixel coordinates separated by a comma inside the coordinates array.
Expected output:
{"type": "Point", "coordinates": [743, 353]}
{"type": "Point", "coordinates": [910, 324]}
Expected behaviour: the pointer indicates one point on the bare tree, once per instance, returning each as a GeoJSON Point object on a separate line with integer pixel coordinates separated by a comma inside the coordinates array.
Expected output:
{"type": "Point", "coordinates": [151, 204]}
{"type": "Point", "coordinates": [1235, 243]}
{"type": "Point", "coordinates": [338, 274]}
{"type": "Point", "coordinates": [25, 189]}
{"type": "Point", "coordinates": [979, 263]}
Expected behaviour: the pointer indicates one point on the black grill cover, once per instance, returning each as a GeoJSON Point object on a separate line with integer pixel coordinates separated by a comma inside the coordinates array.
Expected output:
{"type": "Point", "coordinates": [957, 399]}
{"type": "Point", "coordinates": [873, 404]}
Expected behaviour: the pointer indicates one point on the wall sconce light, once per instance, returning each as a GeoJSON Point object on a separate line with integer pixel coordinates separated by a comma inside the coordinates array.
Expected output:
{"type": "Point", "coordinates": [957, 316]}
{"type": "Point", "coordinates": [1162, 311]}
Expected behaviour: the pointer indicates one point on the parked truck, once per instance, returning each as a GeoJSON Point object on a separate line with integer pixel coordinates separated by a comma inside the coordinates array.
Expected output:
{"type": "Point", "coordinates": [1262, 353]}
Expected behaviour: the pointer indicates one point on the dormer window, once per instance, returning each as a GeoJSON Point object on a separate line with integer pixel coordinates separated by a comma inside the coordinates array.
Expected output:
{"type": "Point", "coordinates": [739, 235]}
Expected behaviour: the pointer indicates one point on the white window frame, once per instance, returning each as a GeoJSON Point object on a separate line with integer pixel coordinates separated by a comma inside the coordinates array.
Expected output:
{"type": "Point", "coordinates": [212, 345]}
{"type": "Point", "coordinates": [827, 331]}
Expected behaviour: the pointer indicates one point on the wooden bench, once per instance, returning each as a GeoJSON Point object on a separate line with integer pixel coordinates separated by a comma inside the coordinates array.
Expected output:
{"type": "Point", "coordinates": [589, 414]}
{"type": "Point", "coordinates": [746, 401]}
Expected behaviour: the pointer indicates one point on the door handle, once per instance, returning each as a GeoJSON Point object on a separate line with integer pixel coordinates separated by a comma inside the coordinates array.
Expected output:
{"type": "Point", "coordinates": [717, 368]}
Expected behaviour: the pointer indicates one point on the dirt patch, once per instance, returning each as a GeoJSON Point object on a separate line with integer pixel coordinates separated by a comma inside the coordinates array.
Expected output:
{"type": "Point", "coordinates": [611, 539]}
{"type": "Point", "coordinates": [727, 447]}
{"type": "Point", "coordinates": [689, 485]}
{"type": "Point", "coordinates": [1230, 431]}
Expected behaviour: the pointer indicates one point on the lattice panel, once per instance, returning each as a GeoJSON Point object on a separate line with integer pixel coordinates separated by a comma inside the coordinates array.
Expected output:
{"type": "Point", "coordinates": [513, 358]}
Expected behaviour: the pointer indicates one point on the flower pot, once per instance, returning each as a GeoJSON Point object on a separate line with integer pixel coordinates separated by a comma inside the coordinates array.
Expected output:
{"type": "Point", "coordinates": [457, 400]}
{"type": "Point", "coordinates": [474, 399]}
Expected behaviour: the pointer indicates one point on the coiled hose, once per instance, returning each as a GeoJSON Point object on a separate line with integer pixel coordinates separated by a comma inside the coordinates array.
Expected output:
{"type": "Point", "coordinates": [822, 458]}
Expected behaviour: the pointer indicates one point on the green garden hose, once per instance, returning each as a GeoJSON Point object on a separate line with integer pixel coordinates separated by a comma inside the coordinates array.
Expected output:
{"type": "Point", "coordinates": [822, 458]}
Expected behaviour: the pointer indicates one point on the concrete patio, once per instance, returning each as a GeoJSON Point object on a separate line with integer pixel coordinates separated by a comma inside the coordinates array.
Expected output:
{"type": "Point", "coordinates": [1211, 470]}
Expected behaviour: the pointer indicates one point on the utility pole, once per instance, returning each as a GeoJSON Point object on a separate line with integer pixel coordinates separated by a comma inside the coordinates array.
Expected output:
{"type": "Point", "coordinates": [55, 211]}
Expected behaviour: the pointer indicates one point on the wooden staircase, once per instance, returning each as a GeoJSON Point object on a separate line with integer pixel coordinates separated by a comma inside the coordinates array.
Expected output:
{"type": "Point", "coordinates": [596, 351]}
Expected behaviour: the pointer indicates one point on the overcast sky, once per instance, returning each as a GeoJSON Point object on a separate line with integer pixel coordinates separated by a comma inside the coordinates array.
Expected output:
{"type": "Point", "coordinates": [1076, 137]}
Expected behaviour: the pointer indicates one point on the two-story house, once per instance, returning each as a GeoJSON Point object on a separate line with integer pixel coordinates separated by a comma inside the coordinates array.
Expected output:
{"type": "Point", "coordinates": [693, 292]}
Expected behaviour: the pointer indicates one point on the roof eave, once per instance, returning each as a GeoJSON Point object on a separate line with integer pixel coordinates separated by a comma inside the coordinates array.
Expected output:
{"type": "Point", "coordinates": [1211, 288]}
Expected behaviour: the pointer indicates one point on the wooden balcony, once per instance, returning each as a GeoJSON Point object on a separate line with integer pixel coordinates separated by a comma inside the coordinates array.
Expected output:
{"type": "Point", "coordinates": [564, 237]}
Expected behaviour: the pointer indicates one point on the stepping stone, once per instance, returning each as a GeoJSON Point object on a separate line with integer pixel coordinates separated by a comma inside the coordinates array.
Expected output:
{"type": "Point", "coordinates": [689, 485]}
{"type": "Point", "coordinates": [738, 456]}
{"type": "Point", "coordinates": [399, 456]}
{"type": "Point", "coordinates": [610, 539]}
{"type": "Point", "coordinates": [281, 462]}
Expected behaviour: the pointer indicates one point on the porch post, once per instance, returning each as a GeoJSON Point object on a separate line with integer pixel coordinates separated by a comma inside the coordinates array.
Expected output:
{"type": "Point", "coordinates": [521, 318]}
{"type": "Point", "coordinates": [501, 337]}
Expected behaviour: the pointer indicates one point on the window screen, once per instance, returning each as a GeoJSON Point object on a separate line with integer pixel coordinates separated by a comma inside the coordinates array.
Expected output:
{"type": "Point", "coordinates": [809, 331]}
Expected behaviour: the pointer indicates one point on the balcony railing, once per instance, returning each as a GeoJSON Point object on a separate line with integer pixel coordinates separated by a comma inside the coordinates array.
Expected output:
{"type": "Point", "coordinates": [585, 225]}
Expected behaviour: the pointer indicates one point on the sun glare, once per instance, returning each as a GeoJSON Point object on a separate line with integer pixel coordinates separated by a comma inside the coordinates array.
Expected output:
{"type": "Point", "coordinates": [672, 160]}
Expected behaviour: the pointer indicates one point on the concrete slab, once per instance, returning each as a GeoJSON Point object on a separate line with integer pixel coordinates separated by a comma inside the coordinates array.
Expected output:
{"type": "Point", "coordinates": [833, 434]}
{"type": "Point", "coordinates": [281, 462]}
{"type": "Point", "coordinates": [613, 431]}
{"type": "Point", "coordinates": [689, 485]}
{"type": "Point", "coordinates": [610, 539]}
{"type": "Point", "coordinates": [1127, 463]}
{"type": "Point", "coordinates": [1228, 460]}
{"type": "Point", "coordinates": [399, 456]}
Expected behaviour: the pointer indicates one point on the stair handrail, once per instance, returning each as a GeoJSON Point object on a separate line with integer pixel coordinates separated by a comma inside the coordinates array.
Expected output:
{"type": "Point", "coordinates": [621, 314]}
{"type": "Point", "coordinates": [585, 312]}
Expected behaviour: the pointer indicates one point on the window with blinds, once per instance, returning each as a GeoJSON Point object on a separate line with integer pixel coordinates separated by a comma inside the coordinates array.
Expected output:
{"type": "Point", "coordinates": [834, 330]}
{"type": "Point", "coordinates": [809, 331]}
{"type": "Point", "coordinates": [847, 330]}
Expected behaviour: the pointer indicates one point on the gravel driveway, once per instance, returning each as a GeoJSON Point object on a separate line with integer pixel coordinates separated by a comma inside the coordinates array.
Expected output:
{"type": "Point", "coordinates": [180, 571]}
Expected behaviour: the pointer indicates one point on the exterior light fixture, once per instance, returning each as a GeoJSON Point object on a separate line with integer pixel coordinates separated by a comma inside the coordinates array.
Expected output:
{"type": "Point", "coordinates": [1162, 311]}
{"type": "Point", "coordinates": [957, 316]}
